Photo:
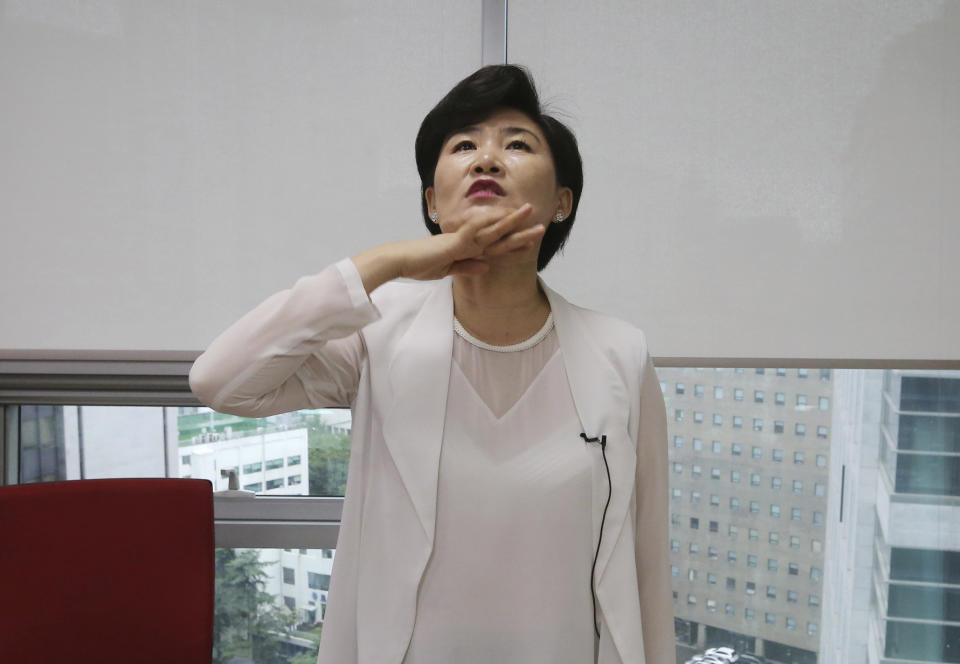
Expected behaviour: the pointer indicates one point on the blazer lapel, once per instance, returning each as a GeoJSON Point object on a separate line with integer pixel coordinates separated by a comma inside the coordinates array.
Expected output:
{"type": "Point", "coordinates": [419, 375]}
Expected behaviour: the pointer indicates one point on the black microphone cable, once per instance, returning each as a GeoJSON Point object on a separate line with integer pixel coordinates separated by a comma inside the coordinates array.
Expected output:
{"type": "Point", "coordinates": [603, 448]}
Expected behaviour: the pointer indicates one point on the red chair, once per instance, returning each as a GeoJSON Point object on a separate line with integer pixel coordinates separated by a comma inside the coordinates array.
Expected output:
{"type": "Point", "coordinates": [105, 571]}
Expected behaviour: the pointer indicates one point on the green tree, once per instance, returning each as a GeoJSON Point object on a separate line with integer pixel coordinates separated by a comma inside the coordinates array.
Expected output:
{"type": "Point", "coordinates": [246, 620]}
{"type": "Point", "coordinates": [329, 458]}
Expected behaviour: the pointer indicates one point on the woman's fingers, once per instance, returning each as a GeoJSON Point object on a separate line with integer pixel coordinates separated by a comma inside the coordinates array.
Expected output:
{"type": "Point", "coordinates": [488, 234]}
{"type": "Point", "coordinates": [515, 241]}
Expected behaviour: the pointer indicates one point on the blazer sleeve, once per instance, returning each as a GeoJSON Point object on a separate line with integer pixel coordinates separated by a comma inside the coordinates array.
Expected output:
{"type": "Point", "coordinates": [300, 348]}
{"type": "Point", "coordinates": [652, 546]}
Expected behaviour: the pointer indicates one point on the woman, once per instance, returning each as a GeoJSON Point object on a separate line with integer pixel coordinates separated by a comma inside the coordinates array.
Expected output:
{"type": "Point", "coordinates": [507, 488]}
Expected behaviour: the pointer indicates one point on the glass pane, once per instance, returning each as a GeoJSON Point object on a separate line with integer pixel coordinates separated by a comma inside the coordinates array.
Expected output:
{"type": "Point", "coordinates": [270, 604]}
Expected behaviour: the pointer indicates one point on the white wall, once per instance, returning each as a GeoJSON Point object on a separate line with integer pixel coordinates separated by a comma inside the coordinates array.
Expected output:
{"type": "Point", "coordinates": [763, 178]}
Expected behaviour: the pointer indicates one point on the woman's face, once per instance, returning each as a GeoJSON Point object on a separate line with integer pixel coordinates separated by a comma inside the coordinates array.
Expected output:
{"type": "Point", "coordinates": [492, 168]}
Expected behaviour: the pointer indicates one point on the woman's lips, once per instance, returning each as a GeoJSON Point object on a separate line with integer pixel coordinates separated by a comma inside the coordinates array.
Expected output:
{"type": "Point", "coordinates": [485, 188]}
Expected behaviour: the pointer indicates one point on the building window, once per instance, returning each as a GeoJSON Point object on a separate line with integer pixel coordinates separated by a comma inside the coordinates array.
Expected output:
{"type": "Point", "coordinates": [734, 503]}
{"type": "Point", "coordinates": [737, 394]}
{"type": "Point", "coordinates": [694, 497]}
{"type": "Point", "coordinates": [814, 600]}
{"type": "Point", "coordinates": [751, 588]}
{"type": "Point", "coordinates": [677, 467]}
{"type": "Point", "coordinates": [694, 523]}
{"type": "Point", "coordinates": [818, 518]}
{"type": "Point", "coordinates": [816, 546]}
{"type": "Point", "coordinates": [698, 390]}
{"type": "Point", "coordinates": [754, 507]}
{"type": "Point", "coordinates": [794, 569]}
{"type": "Point", "coordinates": [293, 460]}
{"type": "Point", "coordinates": [697, 445]}
{"type": "Point", "coordinates": [252, 467]}
{"type": "Point", "coordinates": [819, 490]}
{"type": "Point", "coordinates": [757, 424]}
{"type": "Point", "coordinates": [770, 618]}
{"type": "Point", "coordinates": [274, 484]}
{"type": "Point", "coordinates": [715, 473]}
{"type": "Point", "coordinates": [792, 596]}
{"type": "Point", "coordinates": [821, 461]}
{"type": "Point", "coordinates": [754, 534]}
{"type": "Point", "coordinates": [791, 623]}
{"type": "Point", "coordinates": [732, 557]}
{"type": "Point", "coordinates": [274, 463]}
{"type": "Point", "coordinates": [775, 511]}
{"type": "Point", "coordinates": [675, 520]}
{"type": "Point", "coordinates": [728, 609]}
{"type": "Point", "coordinates": [711, 578]}
{"type": "Point", "coordinates": [777, 455]}
{"type": "Point", "coordinates": [694, 548]}
{"type": "Point", "coordinates": [290, 602]}
{"type": "Point", "coordinates": [675, 546]}
{"type": "Point", "coordinates": [822, 432]}
{"type": "Point", "coordinates": [798, 458]}
{"type": "Point", "coordinates": [696, 470]}
{"type": "Point", "coordinates": [757, 452]}
{"type": "Point", "coordinates": [697, 416]}
{"type": "Point", "coordinates": [732, 531]}
{"type": "Point", "coordinates": [674, 570]}
{"type": "Point", "coordinates": [798, 486]}
{"type": "Point", "coordinates": [748, 613]}
{"type": "Point", "coordinates": [751, 560]}
{"type": "Point", "coordinates": [800, 429]}
{"type": "Point", "coordinates": [731, 583]}
{"type": "Point", "coordinates": [735, 449]}
{"type": "Point", "coordinates": [754, 479]}
{"type": "Point", "coordinates": [801, 373]}
{"type": "Point", "coordinates": [712, 553]}
{"type": "Point", "coordinates": [255, 486]}
{"type": "Point", "coordinates": [795, 514]}
{"type": "Point", "coordinates": [814, 573]}
{"type": "Point", "coordinates": [772, 590]}
{"type": "Point", "coordinates": [677, 493]}
{"type": "Point", "coordinates": [794, 542]}
{"type": "Point", "coordinates": [717, 447]}
{"type": "Point", "coordinates": [289, 576]}
{"type": "Point", "coordinates": [777, 426]}
{"type": "Point", "coordinates": [318, 581]}
{"type": "Point", "coordinates": [801, 401]}
{"type": "Point", "coordinates": [737, 422]}
{"type": "Point", "coordinates": [678, 415]}
{"type": "Point", "coordinates": [811, 628]}
{"type": "Point", "coordinates": [735, 476]}
{"type": "Point", "coordinates": [293, 480]}
{"type": "Point", "coordinates": [780, 398]}
{"type": "Point", "coordinates": [824, 403]}
{"type": "Point", "coordinates": [717, 420]}
{"type": "Point", "coordinates": [678, 442]}
{"type": "Point", "coordinates": [718, 392]}
{"type": "Point", "coordinates": [680, 388]}
{"type": "Point", "coordinates": [691, 600]}
{"type": "Point", "coordinates": [781, 372]}
{"type": "Point", "coordinates": [759, 371]}
{"type": "Point", "coordinates": [714, 527]}
{"type": "Point", "coordinates": [714, 500]}
{"type": "Point", "coordinates": [776, 483]}
{"type": "Point", "coordinates": [774, 538]}
{"type": "Point", "coordinates": [758, 396]}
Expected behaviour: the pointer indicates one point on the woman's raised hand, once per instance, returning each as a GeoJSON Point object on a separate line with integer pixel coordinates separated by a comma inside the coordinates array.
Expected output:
{"type": "Point", "coordinates": [463, 251]}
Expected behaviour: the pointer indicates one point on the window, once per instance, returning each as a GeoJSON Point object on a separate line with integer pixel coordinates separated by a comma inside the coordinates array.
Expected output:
{"type": "Point", "coordinates": [821, 461]}
{"type": "Point", "coordinates": [734, 503]}
{"type": "Point", "coordinates": [792, 596]}
{"type": "Point", "coordinates": [748, 613]}
{"type": "Point", "coordinates": [798, 458]}
{"type": "Point", "coordinates": [675, 520]}
{"type": "Point", "coordinates": [677, 493]}
{"type": "Point", "coordinates": [737, 422]}
{"type": "Point", "coordinates": [714, 500]}
{"type": "Point", "coordinates": [694, 548]}
{"type": "Point", "coordinates": [680, 388]}
{"type": "Point", "coordinates": [711, 605]}
{"type": "Point", "coordinates": [715, 473]}
{"type": "Point", "coordinates": [293, 480]}
{"type": "Point", "coordinates": [776, 483]}
{"type": "Point", "coordinates": [289, 602]}
{"type": "Point", "coordinates": [691, 574]}
{"type": "Point", "coordinates": [697, 416]}
{"type": "Point", "coordinates": [732, 531]}
{"type": "Point", "coordinates": [714, 527]}
{"type": "Point", "coordinates": [675, 545]}
{"type": "Point", "coordinates": [674, 570]}
{"type": "Point", "coordinates": [798, 486]}
{"type": "Point", "coordinates": [795, 514]}
{"type": "Point", "coordinates": [678, 415]}
{"type": "Point", "coordinates": [751, 560]}
{"type": "Point", "coordinates": [318, 581]}
{"type": "Point", "coordinates": [775, 511]}
{"type": "Point", "coordinates": [728, 609]}
{"type": "Point", "coordinates": [802, 373]}
{"type": "Point", "coordinates": [801, 401]}
{"type": "Point", "coordinates": [757, 452]}
{"type": "Point", "coordinates": [735, 449]}
{"type": "Point", "coordinates": [822, 432]}
{"type": "Point", "coordinates": [293, 460]}
{"type": "Point", "coordinates": [256, 486]}
{"type": "Point", "coordinates": [712, 553]}
{"type": "Point", "coordinates": [777, 455]}
{"type": "Point", "coordinates": [274, 463]}
{"type": "Point", "coordinates": [818, 518]}
{"type": "Point", "coordinates": [694, 523]}
{"type": "Point", "coordinates": [754, 507]}
{"type": "Point", "coordinates": [794, 542]}
{"type": "Point", "coordinates": [718, 392]}
{"type": "Point", "coordinates": [289, 576]}
{"type": "Point", "coordinates": [274, 484]}
{"type": "Point", "coordinates": [753, 534]}
{"type": "Point", "coordinates": [732, 557]}
{"type": "Point", "coordinates": [694, 498]}
{"type": "Point", "coordinates": [697, 445]}
{"type": "Point", "coordinates": [716, 447]}
{"type": "Point", "coordinates": [811, 628]}
{"type": "Point", "coordinates": [777, 426]}
{"type": "Point", "coordinates": [800, 429]}
{"type": "Point", "coordinates": [252, 468]}
{"type": "Point", "coordinates": [691, 600]}
{"type": "Point", "coordinates": [824, 403]}
{"type": "Point", "coordinates": [751, 588]}
{"type": "Point", "coordinates": [824, 374]}
{"type": "Point", "coordinates": [185, 460]}
{"type": "Point", "coordinates": [760, 371]}
{"type": "Point", "coordinates": [698, 390]}
{"type": "Point", "coordinates": [696, 471]}
{"type": "Point", "coordinates": [678, 442]}
{"type": "Point", "coordinates": [772, 590]}
{"type": "Point", "coordinates": [737, 394]}
{"type": "Point", "coordinates": [774, 538]}
{"type": "Point", "coordinates": [791, 623]}
{"type": "Point", "coordinates": [711, 578]}
{"type": "Point", "coordinates": [757, 424]}
{"type": "Point", "coordinates": [731, 583]}
{"type": "Point", "coordinates": [717, 420]}
{"type": "Point", "coordinates": [735, 476]}
{"type": "Point", "coordinates": [816, 546]}
{"type": "Point", "coordinates": [814, 600]}
{"type": "Point", "coordinates": [781, 372]}
{"type": "Point", "coordinates": [814, 573]}
{"type": "Point", "coordinates": [754, 479]}
{"type": "Point", "coordinates": [794, 569]}
{"type": "Point", "coordinates": [677, 467]}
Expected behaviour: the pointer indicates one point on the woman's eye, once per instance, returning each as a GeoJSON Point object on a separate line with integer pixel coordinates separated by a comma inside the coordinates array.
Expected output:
{"type": "Point", "coordinates": [518, 145]}
{"type": "Point", "coordinates": [463, 145]}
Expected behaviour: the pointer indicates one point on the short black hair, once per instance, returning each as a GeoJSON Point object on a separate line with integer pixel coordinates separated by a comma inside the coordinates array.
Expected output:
{"type": "Point", "coordinates": [472, 100]}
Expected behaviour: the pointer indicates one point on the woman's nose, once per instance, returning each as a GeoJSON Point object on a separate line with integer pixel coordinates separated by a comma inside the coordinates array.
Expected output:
{"type": "Point", "coordinates": [486, 163]}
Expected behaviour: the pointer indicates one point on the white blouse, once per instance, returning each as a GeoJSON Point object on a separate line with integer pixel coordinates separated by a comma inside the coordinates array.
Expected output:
{"type": "Point", "coordinates": [509, 578]}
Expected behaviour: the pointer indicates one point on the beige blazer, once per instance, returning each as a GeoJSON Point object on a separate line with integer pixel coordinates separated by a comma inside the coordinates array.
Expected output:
{"type": "Point", "coordinates": [295, 353]}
